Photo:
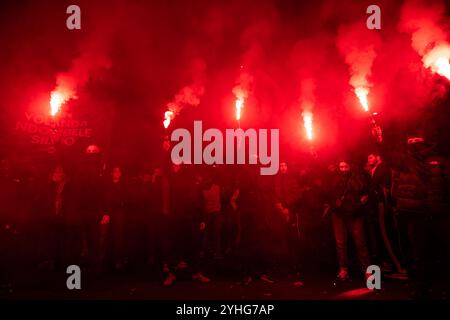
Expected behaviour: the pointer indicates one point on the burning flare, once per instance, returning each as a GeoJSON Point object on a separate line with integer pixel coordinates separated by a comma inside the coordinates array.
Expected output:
{"type": "Point", "coordinates": [241, 94]}
{"type": "Point", "coordinates": [57, 99]}
{"type": "Point", "coordinates": [168, 116]}
{"type": "Point", "coordinates": [187, 96]}
{"type": "Point", "coordinates": [239, 106]}
{"type": "Point", "coordinates": [241, 91]}
{"type": "Point", "coordinates": [437, 60]}
{"type": "Point", "coordinates": [308, 124]}
{"type": "Point", "coordinates": [361, 93]}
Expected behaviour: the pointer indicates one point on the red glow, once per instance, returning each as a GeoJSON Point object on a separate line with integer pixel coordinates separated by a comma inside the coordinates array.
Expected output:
{"type": "Point", "coordinates": [241, 91]}
{"type": "Point", "coordinates": [57, 99]}
{"type": "Point", "coordinates": [437, 60]}
{"type": "Point", "coordinates": [308, 124]}
{"type": "Point", "coordinates": [361, 93]}
{"type": "Point", "coordinates": [239, 106]}
{"type": "Point", "coordinates": [355, 293]}
{"type": "Point", "coordinates": [168, 116]}
{"type": "Point", "coordinates": [240, 94]}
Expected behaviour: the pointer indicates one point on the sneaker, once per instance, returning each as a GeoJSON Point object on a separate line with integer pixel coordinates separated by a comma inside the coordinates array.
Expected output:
{"type": "Point", "coordinates": [343, 275]}
{"type": "Point", "coordinates": [166, 268]}
{"type": "Point", "coordinates": [170, 279]}
{"type": "Point", "coordinates": [298, 283]}
{"type": "Point", "coordinates": [201, 278]}
{"type": "Point", "coordinates": [266, 279]}
{"type": "Point", "coordinates": [182, 265]}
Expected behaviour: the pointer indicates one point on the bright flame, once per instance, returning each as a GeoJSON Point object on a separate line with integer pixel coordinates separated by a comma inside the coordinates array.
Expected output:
{"type": "Point", "coordinates": [168, 116]}
{"type": "Point", "coordinates": [361, 93]}
{"type": "Point", "coordinates": [308, 123]}
{"type": "Point", "coordinates": [438, 60]}
{"type": "Point", "coordinates": [57, 99]}
{"type": "Point", "coordinates": [443, 67]}
{"type": "Point", "coordinates": [239, 106]}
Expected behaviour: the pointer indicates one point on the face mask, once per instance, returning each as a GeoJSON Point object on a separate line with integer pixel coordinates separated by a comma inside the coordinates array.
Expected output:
{"type": "Point", "coordinates": [417, 149]}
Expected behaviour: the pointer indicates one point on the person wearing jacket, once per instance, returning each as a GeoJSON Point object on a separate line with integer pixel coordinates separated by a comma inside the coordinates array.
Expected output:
{"type": "Point", "coordinates": [156, 206]}
{"type": "Point", "coordinates": [286, 199]}
{"type": "Point", "coordinates": [420, 188]}
{"type": "Point", "coordinates": [185, 224]}
{"type": "Point", "coordinates": [114, 218]}
{"type": "Point", "coordinates": [89, 188]}
{"type": "Point", "coordinates": [60, 232]}
{"type": "Point", "coordinates": [348, 196]}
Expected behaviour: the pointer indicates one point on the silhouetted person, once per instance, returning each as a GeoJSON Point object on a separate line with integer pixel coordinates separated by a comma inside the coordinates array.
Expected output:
{"type": "Point", "coordinates": [253, 206]}
{"type": "Point", "coordinates": [185, 219]}
{"type": "Point", "coordinates": [421, 192]}
{"type": "Point", "coordinates": [348, 195]}
{"type": "Point", "coordinates": [114, 218]}
{"type": "Point", "coordinates": [287, 194]}
{"type": "Point", "coordinates": [60, 239]}
{"type": "Point", "coordinates": [159, 223]}
{"type": "Point", "coordinates": [212, 217]}
{"type": "Point", "coordinates": [316, 238]}
{"type": "Point", "coordinates": [89, 199]}
{"type": "Point", "coordinates": [379, 176]}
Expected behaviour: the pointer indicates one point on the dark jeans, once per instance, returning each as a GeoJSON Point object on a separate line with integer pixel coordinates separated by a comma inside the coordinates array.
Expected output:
{"type": "Point", "coordinates": [424, 236]}
{"type": "Point", "coordinates": [375, 243]}
{"type": "Point", "coordinates": [92, 233]}
{"type": "Point", "coordinates": [159, 237]}
{"type": "Point", "coordinates": [415, 229]}
{"type": "Point", "coordinates": [186, 238]}
{"type": "Point", "coordinates": [213, 230]}
{"type": "Point", "coordinates": [55, 241]}
{"type": "Point", "coordinates": [73, 242]}
{"type": "Point", "coordinates": [62, 242]}
{"type": "Point", "coordinates": [354, 225]}
{"type": "Point", "coordinates": [412, 230]}
{"type": "Point", "coordinates": [296, 254]}
{"type": "Point", "coordinates": [112, 239]}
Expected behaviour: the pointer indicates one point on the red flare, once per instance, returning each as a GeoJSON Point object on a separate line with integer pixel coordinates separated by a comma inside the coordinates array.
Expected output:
{"type": "Point", "coordinates": [57, 99]}
{"type": "Point", "coordinates": [308, 124]}
{"type": "Point", "coordinates": [239, 106]}
{"type": "Point", "coordinates": [437, 60]}
{"type": "Point", "coordinates": [168, 116]}
{"type": "Point", "coordinates": [361, 93]}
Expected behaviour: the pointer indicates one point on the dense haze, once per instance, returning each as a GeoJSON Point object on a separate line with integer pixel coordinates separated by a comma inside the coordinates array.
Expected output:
{"type": "Point", "coordinates": [132, 59]}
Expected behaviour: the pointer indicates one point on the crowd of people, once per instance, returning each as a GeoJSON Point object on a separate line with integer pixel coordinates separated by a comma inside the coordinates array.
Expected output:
{"type": "Point", "coordinates": [182, 219]}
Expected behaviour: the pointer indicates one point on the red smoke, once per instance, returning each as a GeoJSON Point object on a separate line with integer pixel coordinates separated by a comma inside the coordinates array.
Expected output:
{"type": "Point", "coordinates": [132, 60]}
{"type": "Point", "coordinates": [94, 56]}
{"type": "Point", "coordinates": [427, 24]}
{"type": "Point", "coordinates": [358, 46]}
{"type": "Point", "coordinates": [188, 95]}
{"type": "Point", "coordinates": [307, 101]}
